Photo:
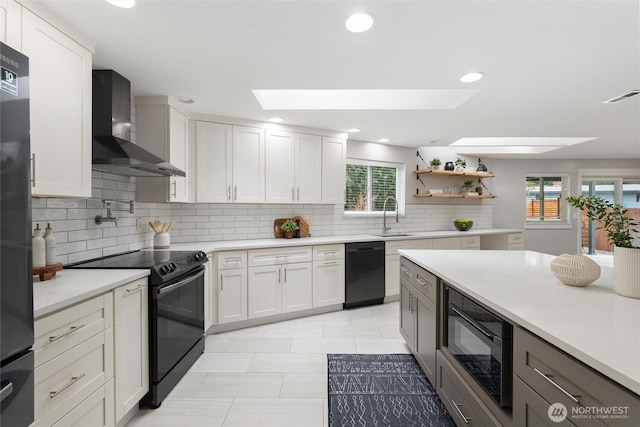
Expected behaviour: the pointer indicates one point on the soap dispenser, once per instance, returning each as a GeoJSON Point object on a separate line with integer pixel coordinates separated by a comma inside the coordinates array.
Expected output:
{"type": "Point", "coordinates": [49, 245]}
{"type": "Point", "coordinates": [38, 248]}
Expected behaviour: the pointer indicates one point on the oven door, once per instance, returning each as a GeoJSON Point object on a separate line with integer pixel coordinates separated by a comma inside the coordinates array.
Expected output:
{"type": "Point", "coordinates": [176, 321]}
{"type": "Point", "coordinates": [481, 342]}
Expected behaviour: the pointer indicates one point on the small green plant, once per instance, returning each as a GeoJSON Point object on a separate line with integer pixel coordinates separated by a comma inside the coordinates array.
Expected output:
{"type": "Point", "coordinates": [289, 225]}
{"type": "Point", "coordinates": [435, 162]}
{"type": "Point", "coordinates": [467, 184]}
{"type": "Point", "coordinates": [611, 216]}
{"type": "Point", "coordinates": [462, 163]}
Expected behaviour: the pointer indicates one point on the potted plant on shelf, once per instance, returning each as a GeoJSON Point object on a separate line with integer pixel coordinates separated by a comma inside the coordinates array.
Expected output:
{"type": "Point", "coordinates": [620, 229]}
{"type": "Point", "coordinates": [435, 163]}
{"type": "Point", "coordinates": [289, 226]}
{"type": "Point", "coordinates": [460, 163]}
{"type": "Point", "coordinates": [467, 185]}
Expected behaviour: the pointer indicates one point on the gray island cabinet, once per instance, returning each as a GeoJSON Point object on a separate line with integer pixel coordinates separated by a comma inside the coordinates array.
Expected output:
{"type": "Point", "coordinates": [573, 354]}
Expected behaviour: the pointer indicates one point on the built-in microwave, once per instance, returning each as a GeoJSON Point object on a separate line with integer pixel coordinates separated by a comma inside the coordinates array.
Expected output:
{"type": "Point", "coordinates": [481, 342]}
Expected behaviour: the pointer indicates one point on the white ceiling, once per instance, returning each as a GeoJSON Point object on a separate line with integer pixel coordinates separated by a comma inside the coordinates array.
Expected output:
{"type": "Point", "coordinates": [548, 65]}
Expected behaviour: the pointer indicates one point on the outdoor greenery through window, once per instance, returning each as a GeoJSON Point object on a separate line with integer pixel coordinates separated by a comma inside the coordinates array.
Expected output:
{"type": "Point", "coordinates": [369, 184]}
{"type": "Point", "coordinates": [546, 199]}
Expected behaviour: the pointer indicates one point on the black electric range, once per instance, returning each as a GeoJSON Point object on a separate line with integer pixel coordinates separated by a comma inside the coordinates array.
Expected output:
{"type": "Point", "coordinates": [176, 312]}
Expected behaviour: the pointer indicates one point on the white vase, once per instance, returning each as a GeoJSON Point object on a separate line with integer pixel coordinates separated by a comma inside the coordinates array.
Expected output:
{"type": "Point", "coordinates": [626, 271]}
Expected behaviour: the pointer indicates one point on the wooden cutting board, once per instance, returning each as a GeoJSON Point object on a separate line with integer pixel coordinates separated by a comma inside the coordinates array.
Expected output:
{"type": "Point", "coordinates": [304, 227]}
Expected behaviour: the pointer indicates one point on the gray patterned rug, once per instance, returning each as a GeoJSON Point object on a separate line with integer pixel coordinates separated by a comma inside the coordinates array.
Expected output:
{"type": "Point", "coordinates": [382, 390]}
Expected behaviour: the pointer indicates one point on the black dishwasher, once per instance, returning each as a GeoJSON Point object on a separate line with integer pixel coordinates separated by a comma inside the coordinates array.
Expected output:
{"type": "Point", "coordinates": [364, 274]}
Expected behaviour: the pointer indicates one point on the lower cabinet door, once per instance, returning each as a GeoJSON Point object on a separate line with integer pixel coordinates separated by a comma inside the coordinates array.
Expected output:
{"type": "Point", "coordinates": [265, 291]}
{"type": "Point", "coordinates": [328, 283]}
{"type": "Point", "coordinates": [297, 291]}
{"type": "Point", "coordinates": [407, 318]}
{"type": "Point", "coordinates": [426, 317]}
{"type": "Point", "coordinates": [391, 275]}
{"type": "Point", "coordinates": [131, 336]}
{"type": "Point", "coordinates": [232, 295]}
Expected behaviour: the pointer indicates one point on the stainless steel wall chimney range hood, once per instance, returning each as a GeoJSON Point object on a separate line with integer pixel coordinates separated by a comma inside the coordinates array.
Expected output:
{"type": "Point", "coordinates": [113, 151]}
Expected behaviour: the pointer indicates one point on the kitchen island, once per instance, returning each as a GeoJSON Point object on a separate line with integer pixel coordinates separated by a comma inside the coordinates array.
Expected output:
{"type": "Point", "coordinates": [596, 327]}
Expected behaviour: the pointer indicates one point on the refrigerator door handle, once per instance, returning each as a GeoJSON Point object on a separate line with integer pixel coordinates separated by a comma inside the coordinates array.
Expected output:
{"type": "Point", "coordinates": [6, 391]}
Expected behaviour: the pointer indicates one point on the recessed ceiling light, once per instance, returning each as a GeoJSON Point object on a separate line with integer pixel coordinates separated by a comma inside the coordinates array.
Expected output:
{"type": "Point", "coordinates": [123, 3]}
{"type": "Point", "coordinates": [275, 119]}
{"type": "Point", "coordinates": [359, 22]}
{"type": "Point", "coordinates": [353, 130]}
{"type": "Point", "coordinates": [184, 99]}
{"type": "Point", "coordinates": [383, 140]}
{"type": "Point", "coordinates": [471, 77]}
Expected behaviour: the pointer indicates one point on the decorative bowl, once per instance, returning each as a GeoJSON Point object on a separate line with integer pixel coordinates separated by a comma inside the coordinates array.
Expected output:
{"type": "Point", "coordinates": [463, 224]}
{"type": "Point", "coordinates": [575, 270]}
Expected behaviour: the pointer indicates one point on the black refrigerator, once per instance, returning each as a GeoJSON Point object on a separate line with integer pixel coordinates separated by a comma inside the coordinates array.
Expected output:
{"type": "Point", "coordinates": [16, 280]}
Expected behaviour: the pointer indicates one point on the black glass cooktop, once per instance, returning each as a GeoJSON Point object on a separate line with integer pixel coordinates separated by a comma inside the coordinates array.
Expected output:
{"type": "Point", "coordinates": [136, 259]}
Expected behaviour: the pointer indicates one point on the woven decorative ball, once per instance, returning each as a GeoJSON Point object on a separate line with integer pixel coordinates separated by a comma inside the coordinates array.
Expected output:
{"type": "Point", "coordinates": [575, 270]}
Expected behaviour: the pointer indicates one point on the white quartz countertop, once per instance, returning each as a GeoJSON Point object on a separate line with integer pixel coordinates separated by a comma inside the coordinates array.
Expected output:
{"type": "Point", "coordinates": [68, 287]}
{"type": "Point", "coordinates": [228, 245]}
{"type": "Point", "coordinates": [593, 324]}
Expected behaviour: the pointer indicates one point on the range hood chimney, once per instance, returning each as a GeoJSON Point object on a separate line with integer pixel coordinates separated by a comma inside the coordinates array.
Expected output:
{"type": "Point", "coordinates": [113, 151]}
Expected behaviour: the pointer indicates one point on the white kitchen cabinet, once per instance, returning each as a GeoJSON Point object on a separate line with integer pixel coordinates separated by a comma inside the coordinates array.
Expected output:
{"type": "Point", "coordinates": [163, 130]}
{"type": "Point", "coordinates": [131, 324]}
{"type": "Point", "coordinates": [293, 167]}
{"type": "Point", "coordinates": [392, 261]}
{"type": "Point", "coordinates": [10, 23]}
{"type": "Point", "coordinates": [446, 243]}
{"type": "Point", "coordinates": [280, 280]}
{"type": "Point", "coordinates": [229, 163]}
{"type": "Point", "coordinates": [60, 109]}
{"type": "Point", "coordinates": [231, 277]}
{"type": "Point", "coordinates": [74, 352]}
{"type": "Point", "coordinates": [328, 275]}
{"type": "Point", "coordinates": [334, 157]}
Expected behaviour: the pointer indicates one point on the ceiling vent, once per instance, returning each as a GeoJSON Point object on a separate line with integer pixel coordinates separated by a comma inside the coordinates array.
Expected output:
{"type": "Point", "coordinates": [622, 97]}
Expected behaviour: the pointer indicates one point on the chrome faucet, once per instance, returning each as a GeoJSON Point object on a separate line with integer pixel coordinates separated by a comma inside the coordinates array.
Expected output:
{"type": "Point", "coordinates": [384, 213]}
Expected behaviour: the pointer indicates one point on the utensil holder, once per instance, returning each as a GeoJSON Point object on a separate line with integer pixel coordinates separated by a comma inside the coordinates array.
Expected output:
{"type": "Point", "coordinates": [161, 241]}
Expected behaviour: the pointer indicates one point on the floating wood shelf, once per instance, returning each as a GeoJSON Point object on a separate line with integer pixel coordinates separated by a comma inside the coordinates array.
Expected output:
{"type": "Point", "coordinates": [454, 196]}
{"type": "Point", "coordinates": [454, 173]}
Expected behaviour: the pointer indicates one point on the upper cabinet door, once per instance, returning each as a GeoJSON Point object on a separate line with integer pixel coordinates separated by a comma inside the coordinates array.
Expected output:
{"type": "Point", "coordinates": [248, 164]}
{"type": "Point", "coordinates": [279, 168]}
{"type": "Point", "coordinates": [308, 168]}
{"type": "Point", "coordinates": [179, 155]}
{"type": "Point", "coordinates": [60, 92]}
{"type": "Point", "coordinates": [334, 153]}
{"type": "Point", "coordinates": [214, 147]}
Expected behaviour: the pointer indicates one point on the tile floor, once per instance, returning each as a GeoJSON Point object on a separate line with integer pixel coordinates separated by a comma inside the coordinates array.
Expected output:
{"type": "Point", "coordinates": [273, 375]}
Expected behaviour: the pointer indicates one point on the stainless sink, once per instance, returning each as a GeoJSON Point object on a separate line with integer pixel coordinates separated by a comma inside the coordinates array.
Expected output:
{"type": "Point", "coordinates": [393, 235]}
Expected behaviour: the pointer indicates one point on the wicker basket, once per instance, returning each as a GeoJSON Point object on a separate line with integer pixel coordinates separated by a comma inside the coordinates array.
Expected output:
{"type": "Point", "coordinates": [575, 270]}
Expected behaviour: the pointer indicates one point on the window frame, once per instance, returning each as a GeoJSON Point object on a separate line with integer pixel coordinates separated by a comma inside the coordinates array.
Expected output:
{"type": "Point", "coordinates": [400, 187]}
{"type": "Point", "coordinates": [540, 223]}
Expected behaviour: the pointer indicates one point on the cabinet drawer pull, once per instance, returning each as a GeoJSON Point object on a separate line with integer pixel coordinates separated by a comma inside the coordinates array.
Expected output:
{"type": "Point", "coordinates": [136, 289]}
{"type": "Point", "coordinates": [229, 192]}
{"type": "Point", "coordinates": [405, 270]}
{"type": "Point", "coordinates": [331, 263]}
{"type": "Point", "coordinates": [285, 275]}
{"type": "Point", "coordinates": [556, 385]}
{"type": "Point", "coordinates": [457, 406]}
{"type": "Point", "coordinates": [234, 259]}
{"type": "Point", "coordinates": [71, 330]}
{"type": "Point", "coordinates": [298, 197]}
{"type": "Point", "coordinates": [6, 391]}
{"type": "Point", "coordinates": [175, 188]}
{"type": "Point", "coordinates": [221, 283]}
{"type": "Point", "coordinates": [422, 282]}
{"type": "Point", "coordinates": [235, 192]}
{"type": "Point", "coordinates": [293, 193]}
{"type": "Point", "coordinates": [33, 170]}
{"type": "Point", "coordinates": [71, 382]}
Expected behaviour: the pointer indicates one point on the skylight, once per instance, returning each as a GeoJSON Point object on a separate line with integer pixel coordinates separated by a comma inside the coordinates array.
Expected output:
{"type": "Point", "coordinates": [514, 145]}
{"type": "Point", "coordinates": [363, 99]}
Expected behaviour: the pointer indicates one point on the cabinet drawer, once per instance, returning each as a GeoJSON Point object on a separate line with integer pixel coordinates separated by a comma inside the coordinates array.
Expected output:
{"type": "Point", "coordinates": [557, 377]}
{"type": "Point", "coordinates": [515, 238]}
{"type": "Point", "coordinates": [471, 242]}
{"type": "Point", "coordinates": [515, 246]}
{"type": "Point", "coordinates": [61, 331]}
{"type": "Point", "coordinates": [531, 410]}
{"type": "Point", "coordinates": [95, 411]}
{"type": "Point", "coordinates": [328, 252]}
{"type": "Point", "coordinates": [461, 402]}
{"type": "Point", "coordinates": [288, 255]}
{"type": "Point", "coordinates": [426, 283]}
{"type": "Point", "coordinates": [446, 243]}
{"type": "Point", "coordinates": [65, 381]}
{"type": "Point", "coordinates": [392, 247]}
{"type": "Point", "coordinates": [423, 244]}
{"type": "Point", "coordinates": [407, 270]}
{"type": "Point", "coordinates": [232, 259]}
